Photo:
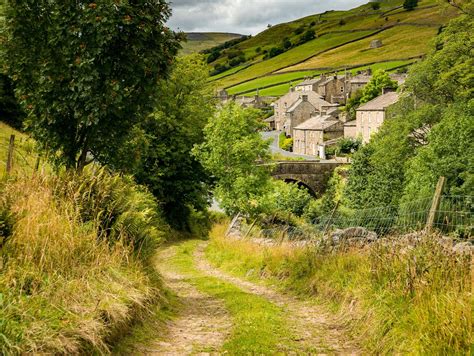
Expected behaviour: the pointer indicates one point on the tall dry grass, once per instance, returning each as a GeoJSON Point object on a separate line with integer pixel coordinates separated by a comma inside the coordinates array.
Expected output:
{"type": "Point", "coordinates": [72, 266]}
{"type": "Point", "coordinates": [397, 297]}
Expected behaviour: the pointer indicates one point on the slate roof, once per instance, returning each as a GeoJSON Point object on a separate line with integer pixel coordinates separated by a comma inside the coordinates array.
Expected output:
{"type": "Point", "coordinates": [292, 97]}
{"type": "Point", "coordinates": [317, 123]}
{"type": "Point", "coordinates": [381, 102]}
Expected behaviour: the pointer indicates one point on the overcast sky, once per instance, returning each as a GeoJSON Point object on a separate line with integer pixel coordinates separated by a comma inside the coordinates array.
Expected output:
{"type": "Point", "coordinates": [246, 16]}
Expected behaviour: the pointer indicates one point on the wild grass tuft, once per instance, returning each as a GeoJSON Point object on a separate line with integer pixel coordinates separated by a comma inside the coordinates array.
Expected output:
{"type": "Point", "coordinates": [69, 269]}
{"type": "Point", "coordinates": [397, 297]}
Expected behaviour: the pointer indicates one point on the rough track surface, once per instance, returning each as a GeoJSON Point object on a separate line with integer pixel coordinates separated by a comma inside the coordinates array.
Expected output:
{"type": "Point", "coordinates": [203, 323]}
{"type": "Point", "coordinates": [315, 327]}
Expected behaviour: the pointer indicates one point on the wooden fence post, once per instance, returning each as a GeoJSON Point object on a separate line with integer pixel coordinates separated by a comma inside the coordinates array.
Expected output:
{"type": "Point", "coordinates": [250, 229]}
{"type": "Point", "coordinates": [234, 220]}
{"type": "Point", "coordinates": [435, 203]}
{"type": "Point", "coordinates": [11, 148]}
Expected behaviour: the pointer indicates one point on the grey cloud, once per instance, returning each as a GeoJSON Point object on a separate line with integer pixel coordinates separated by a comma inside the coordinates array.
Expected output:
{"type": "Point", "coordinates": [246, 17]}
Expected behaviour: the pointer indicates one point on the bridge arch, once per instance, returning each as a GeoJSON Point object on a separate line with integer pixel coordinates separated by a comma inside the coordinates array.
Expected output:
{"type": "Point", "coordinates": [314, 175]}
{"type": "Point", "coordinates": [301, 185]}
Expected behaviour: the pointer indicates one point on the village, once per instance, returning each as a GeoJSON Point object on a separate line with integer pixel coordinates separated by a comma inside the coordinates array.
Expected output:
{"type": "Point", "coordinates": [313, 113]}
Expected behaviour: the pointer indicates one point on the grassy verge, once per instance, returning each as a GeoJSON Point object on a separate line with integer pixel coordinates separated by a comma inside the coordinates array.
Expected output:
{"type": "Point", "coordinates": [399, 299]}
{"type": "Point", "coordinates": [259, 326]}
{"type": "Point", "coordinates": [74, 254]}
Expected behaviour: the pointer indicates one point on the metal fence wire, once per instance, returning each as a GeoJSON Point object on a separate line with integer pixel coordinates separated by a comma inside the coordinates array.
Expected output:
{"type": "Point", "coordinates": [454, 216]}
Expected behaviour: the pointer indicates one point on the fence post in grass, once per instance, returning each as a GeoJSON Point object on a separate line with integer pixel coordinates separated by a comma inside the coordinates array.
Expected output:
{"type": "Point", "coordinates": [37, 164]}
{"type": "Point", "coordinates": [328, 224]}
{"type": "Point", "coordinates": [435, 203]}
{"type": "Point", "coordinates": [250, 229]}
{"type": "Point", "coordinates": [11, 148]}
{"type": "Point", "coordinates": [234, 220]}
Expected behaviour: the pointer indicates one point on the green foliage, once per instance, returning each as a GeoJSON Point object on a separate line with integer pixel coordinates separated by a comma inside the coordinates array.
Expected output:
{"type": "Point", "coordinates": [10, 111]}
{"type": "Point", "coordinates": [287, 144]}
{"type": "Point", "coordinates": [450, 153]}
{"type": "Point", "coordinates": [446, 74]}
{"type": "Point", "coordinates": [374, 88]}
{"type": "Point", "coordinates": [121, 210]}
{"type": "Point", "coordinates": [230, 152]}
{"type": "Point", "coordinates": [158, 152]}
{"type": "Point", "coordinates": [86, 72]}
{"type": "Point", "coordinates": [375, 5]}
{"type": "Point", "coordinates": [307, 36]}
{"type": "Point", "coordinates": [287, 198]}
{"type": "Point", "coordinates": [348, 146]}
{"type": "Point", "coordinates": [410, 4]}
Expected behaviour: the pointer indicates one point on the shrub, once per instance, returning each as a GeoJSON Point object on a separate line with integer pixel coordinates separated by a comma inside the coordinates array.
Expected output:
{"type": "Point", "coordinates": [287, 144]}
{"type": "Point", "coordinates": [410, 4]}
{"type": "Point", "coordinates": [375, 5]}
{"type": "Point", "coordinates": [299, 30]}
{"type": "Point", "coordinates": [275, 51]}
{"type": "Point", "coordinates": [213, 56]}
{"type": "Point", "coordinates": [348, 145]}
{"type": "Point", "coordinates": [308, 36]}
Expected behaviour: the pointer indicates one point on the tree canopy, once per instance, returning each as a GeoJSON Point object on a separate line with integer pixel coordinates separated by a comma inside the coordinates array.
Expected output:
{"type": "Point", "coordinates": [86, 72]}
{"type": "Point", "coordinates": [231, 150]}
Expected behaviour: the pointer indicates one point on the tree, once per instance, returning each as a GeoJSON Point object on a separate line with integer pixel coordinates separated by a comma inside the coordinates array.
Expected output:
{"type": "Point", "coordinates": [410, 4]}
{"type": "Point", "coordinates": [380, 80]}
{"type": "Point", "coordinates": [231, 151]}
{"type": "Point", "coordinates": [160, 146]}
{"type": "Point", "coordinates": [446, 76]}
{"type": "Point", "coordinates": [86, 72]}
{"type": "Point", "coordinates": [375, 5]}
{"type": "Point", "coordinates": [449, 153]}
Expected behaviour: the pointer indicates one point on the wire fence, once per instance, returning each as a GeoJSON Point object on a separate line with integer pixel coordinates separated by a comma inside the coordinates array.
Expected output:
{"type": "Point", "coordinates": [453, 215]}
{"type": "Point", "coordinates": [17, 153]}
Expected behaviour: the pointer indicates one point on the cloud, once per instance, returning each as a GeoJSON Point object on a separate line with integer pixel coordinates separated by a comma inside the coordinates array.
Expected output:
{"type": "Point", "coordinates": [246, 16]}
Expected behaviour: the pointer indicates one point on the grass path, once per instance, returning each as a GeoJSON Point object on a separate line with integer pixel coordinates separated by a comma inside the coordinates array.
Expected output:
{"type": "Point", "coordinates": [221, 314]}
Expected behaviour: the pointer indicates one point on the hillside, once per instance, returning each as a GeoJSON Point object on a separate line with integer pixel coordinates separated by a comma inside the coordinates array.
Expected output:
{"type": "Point", "coordinates": [334, 40]}
{"type": "Point", "coordinates": [199, 41]}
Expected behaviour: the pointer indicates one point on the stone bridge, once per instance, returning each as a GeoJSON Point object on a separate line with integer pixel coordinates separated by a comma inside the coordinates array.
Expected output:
{"type": "Point", "coordinates": [313, 175]}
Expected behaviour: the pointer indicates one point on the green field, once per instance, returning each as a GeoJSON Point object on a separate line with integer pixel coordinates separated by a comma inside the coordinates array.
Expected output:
{"type": "Point", "coordinates": [398, 43]}
{"type": "Point", "coordinates": [292, 56]}
{"type": "Point", "coordinates": [280, 89]}
{"type": "Point", "coordinates": [198, 42]}
{"type": "Point", "coordinates": [405, 34]}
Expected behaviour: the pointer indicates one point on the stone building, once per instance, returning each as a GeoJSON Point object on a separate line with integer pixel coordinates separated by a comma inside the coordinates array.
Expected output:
{"type": "Point", "coordinates": [296, 107]}
{"type": "Point", "coordinates": [308, 85]}
{"type": "Point", "coordinates": [370, 116]}
{"type": "Point", "coordinates": [309, 138]}
{"type": "Point", "coordinates": [350, 129]}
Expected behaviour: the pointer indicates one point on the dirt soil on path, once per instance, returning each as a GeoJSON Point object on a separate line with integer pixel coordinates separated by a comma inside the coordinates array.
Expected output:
{"type": "Point", "coordinates": [315, 327]}
{"type": "Point", "coordinates": [203, 323]}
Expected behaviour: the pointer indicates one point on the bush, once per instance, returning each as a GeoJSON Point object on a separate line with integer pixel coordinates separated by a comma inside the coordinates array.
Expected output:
{"type": "Point", "coordinates": [236, 61]}
{"type": "Point", "coordinates": [288, 144]}
{"type": "Point", "coordinates": [410, 4]}
{"type": "Point", "coordinates": [299, 30]}
{"type": "Point", "coordinates": [308, 36]}
{"type": "Point", "coordinates": [348, 146]}
{"type": "Point", "coordinates": [213, 56]}
{"type": "Point", "coordinates": [375, 5]}
{"type": "Point", "coordinates": [275, 51]}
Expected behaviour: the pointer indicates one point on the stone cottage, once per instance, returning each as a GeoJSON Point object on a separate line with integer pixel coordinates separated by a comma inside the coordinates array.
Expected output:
{"type": "Point", "coordinates": [295, 108]}
{"type": "Point", "coordinates": [370, 116]}
{"type": "Point", "coordinates": [310, 137]}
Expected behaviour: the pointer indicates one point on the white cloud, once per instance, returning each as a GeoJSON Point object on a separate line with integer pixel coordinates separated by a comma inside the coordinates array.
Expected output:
{"type": "Point", "coordinates": [246, 17]}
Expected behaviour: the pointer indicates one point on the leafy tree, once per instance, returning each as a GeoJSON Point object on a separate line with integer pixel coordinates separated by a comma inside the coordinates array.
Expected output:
{"type": "Point", "coordinates": [308, 36]}
{"type": "Point", "coordinates": [449, 153]}
{"type": "Point", "coordinates": [231, 150]}
{"type": "Point", "coordinates": [284, 198]}
{"type": "Point", "coordinates": [10, 110]}
{"type": "Point", "coordinates": [374, 88]}
{"type": "Point", "coordinates": [410, 4]}
{"type": "Point", "coordinates": [160, 146]}
{"type": "Point", "coordinates": [446, 74]}
{"type": "Point", "coordinates": [287, 43]}
{"type": "Point", "coordinates": [86, 72]}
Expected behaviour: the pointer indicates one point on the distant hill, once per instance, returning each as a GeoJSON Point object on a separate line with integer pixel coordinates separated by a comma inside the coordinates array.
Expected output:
{"type": "Point", "coordinates": [199, 41]}
{"type": "Point", "coordinates": [332, 41]}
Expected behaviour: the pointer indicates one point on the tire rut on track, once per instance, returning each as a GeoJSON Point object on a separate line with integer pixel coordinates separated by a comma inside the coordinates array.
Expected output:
{"type": "Point", "coordinates": [313, 326]}
{"type": "Point", "coordinates": [203, 322]}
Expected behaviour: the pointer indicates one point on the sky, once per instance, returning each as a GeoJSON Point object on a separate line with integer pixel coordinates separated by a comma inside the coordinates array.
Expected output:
{"type": "Point", "coordinates": [247, 17]}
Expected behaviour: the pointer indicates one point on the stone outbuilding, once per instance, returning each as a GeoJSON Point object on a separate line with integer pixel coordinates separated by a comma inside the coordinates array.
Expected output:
{"type": "Point", "coordinates": [370, 116]}
{"type": "Point", "coordinates": [376, 44]}
{"type": "Point", "coordinates": [309, 137]}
